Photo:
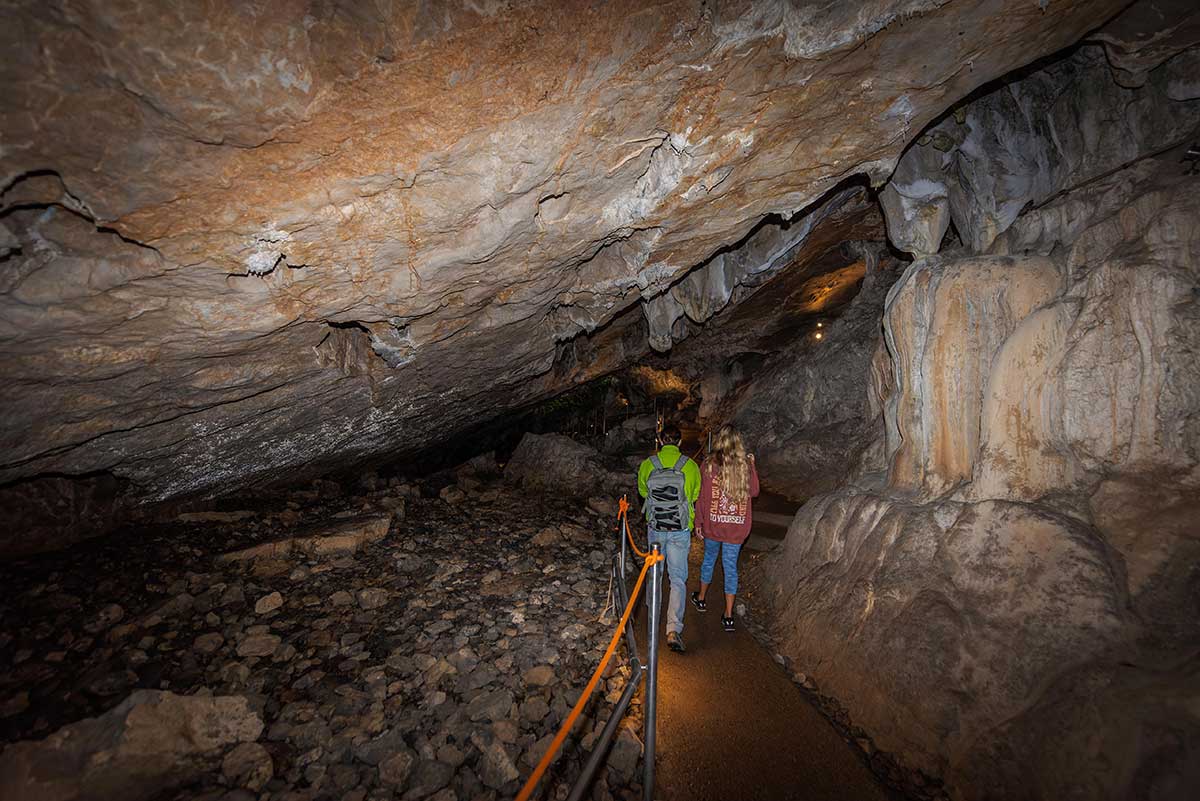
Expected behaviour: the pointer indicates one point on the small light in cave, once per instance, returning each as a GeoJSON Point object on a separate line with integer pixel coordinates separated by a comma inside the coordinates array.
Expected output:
{"type": "Point", "coordinates": [819, 335]}
{"type": "Point", "coordinates": [820, 325]}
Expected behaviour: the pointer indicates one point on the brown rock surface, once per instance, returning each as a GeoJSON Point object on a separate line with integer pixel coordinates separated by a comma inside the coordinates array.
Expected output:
{"type": "Point", "coordinates": [244, 239]}
{"type": "Point", "coordinates": [150, 742]}
{"type": "Point", "coordinates": [345, 536]}
{"type": "Point", "coordinates": [1013, 608]}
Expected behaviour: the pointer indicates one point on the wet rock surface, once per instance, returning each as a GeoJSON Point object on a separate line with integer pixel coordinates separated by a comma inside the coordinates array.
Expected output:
{"type": "Point", "coordinates": [435, 662]}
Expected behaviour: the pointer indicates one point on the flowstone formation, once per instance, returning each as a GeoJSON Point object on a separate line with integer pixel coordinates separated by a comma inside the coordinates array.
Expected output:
{"type": "Point", "coordinates": [248, 241]}
{"type": "Point", "coordinates": [1003, 593]}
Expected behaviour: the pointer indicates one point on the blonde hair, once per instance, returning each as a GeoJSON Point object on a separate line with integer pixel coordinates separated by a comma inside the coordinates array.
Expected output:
{"type": "Point", "coordinates": [731, 464]}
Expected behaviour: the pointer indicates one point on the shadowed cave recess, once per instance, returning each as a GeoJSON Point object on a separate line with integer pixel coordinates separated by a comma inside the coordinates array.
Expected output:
{"type": "Point", "coordinates": [331, 333]}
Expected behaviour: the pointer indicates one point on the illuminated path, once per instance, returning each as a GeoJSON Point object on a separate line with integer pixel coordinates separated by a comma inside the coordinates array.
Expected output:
{"type": "Point", "coordinates": [733, 727]}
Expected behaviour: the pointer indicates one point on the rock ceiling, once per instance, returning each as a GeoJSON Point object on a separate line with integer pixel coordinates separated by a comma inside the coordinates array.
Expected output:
{"type": "Point", "coordinates": [243, 240]}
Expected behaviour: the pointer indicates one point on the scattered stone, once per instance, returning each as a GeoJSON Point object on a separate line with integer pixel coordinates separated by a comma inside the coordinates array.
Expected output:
{"type": "Point", "coordinates": [396, 769]}
{"type": "Point", "coordinates": [215, 517]}
{"type": "Point", "coordinates": [372, 598]}
{"type": "Point", "coordinates": [539, 676]}
{"type": "Point", "coordinates": [208, 643]}
{"type": "Point", "coordinates": [248, 765]}
{"type": "Point", "coordinates": [493, 706]}
{"type": "Point", "coordinates": [625, 753]}
{"type": "Point", "coordinates": [362, 701]}
{"type": "Point", "coordinates": [106, 618]}
{"type": "Point", "coordinates": [268, 603]}
{"type": "Point", "coordinates": [14, 705]}
{"type": "Point", "coordinates": [452, 494]}
{"type": "Point", "coordinates": [497, 768]}
{"type": "Point", "coordinates": [535, 709]}
{"type": "Point", "coordinates": [429, 777]}
{"type": "Point", "coordinates": [345, 536]}
{"type": "Point", "coordinates": [605, 507]}
{"type": "Point", "coordinates": [546, 537]}
{"type": "Point", "coordinates": [258, 645]}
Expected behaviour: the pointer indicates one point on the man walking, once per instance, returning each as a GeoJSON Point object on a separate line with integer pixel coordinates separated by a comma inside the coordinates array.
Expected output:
{"type": "Point", "coordinates": [670, 483]}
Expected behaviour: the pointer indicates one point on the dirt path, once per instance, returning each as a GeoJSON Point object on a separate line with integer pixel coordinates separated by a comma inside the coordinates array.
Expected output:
{"type": "Point", "coordinates": [733, 727]}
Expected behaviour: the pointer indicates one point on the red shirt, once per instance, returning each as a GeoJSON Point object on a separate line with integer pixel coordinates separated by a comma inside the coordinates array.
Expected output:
{"type": "Point", "coordinates": [718, 518]}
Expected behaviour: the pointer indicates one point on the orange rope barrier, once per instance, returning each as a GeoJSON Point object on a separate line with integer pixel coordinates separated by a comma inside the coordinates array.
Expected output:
{"type": "Point", "coordinates": [548, 757]}
{"type": "Point", "coordinates": [623, 512]}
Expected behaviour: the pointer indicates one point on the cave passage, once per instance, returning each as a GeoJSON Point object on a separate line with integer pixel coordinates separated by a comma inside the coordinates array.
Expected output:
{"type": "Point", "coordinates": [333, 334]}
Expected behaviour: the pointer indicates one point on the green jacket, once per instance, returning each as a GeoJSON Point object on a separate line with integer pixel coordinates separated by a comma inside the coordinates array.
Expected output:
{"type": "Point", "coordinates": [669, 455]}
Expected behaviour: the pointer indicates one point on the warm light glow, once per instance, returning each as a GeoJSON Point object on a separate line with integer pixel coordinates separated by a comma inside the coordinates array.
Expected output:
{"type": "Point", "coordinates": [820, 325]}
{"type": "Point", "coordinates": [819, 335]}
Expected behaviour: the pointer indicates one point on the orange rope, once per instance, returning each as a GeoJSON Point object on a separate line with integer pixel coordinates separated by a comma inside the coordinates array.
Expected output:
{"type": "Point", "coordinates": [547, 757]}
{"type": "Point", "coordinates": [623, 512]}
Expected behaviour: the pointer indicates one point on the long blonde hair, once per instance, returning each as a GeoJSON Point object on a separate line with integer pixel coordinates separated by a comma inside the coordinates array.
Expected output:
{"type": "Point", "coordinates": [731, 464]}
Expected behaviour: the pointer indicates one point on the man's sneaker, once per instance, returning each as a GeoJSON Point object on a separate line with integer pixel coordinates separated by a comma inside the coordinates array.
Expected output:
{"type": "Point", "coordinates": [727, 622]}
{"type": "Point", "coordinates": [699, 602]}
{"type": "Point", "coordinates": [675, 642]}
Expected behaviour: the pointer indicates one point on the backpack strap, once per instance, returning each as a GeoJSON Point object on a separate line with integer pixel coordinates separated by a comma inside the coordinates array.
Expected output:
{"type": "Point", "coordinates": [678, 468]}
{"type": "Point", "coordinates": [654, 460]}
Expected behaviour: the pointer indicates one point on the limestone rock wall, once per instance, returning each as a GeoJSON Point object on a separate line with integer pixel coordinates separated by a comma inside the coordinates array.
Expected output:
{"type": "Point", "coordinates": [987, 161]}
{"type": "Point", "coordinates": [1012, 604]}
{"type": "Point", "coordinates": [808, 413]}
{"type": "Point", "coordinates": [247, 241]}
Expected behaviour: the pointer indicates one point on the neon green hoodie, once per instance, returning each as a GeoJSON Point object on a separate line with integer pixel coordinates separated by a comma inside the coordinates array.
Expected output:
{"type": "Point", "coordinates": [669, 455]}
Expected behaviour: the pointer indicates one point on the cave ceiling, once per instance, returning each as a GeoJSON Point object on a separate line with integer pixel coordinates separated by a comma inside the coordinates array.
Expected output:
{"type": "Point", "coordinates": [244, 240]}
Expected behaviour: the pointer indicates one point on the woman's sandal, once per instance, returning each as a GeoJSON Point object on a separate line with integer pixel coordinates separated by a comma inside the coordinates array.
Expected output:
{"type": "Point", "coordinates": [728, 623]}
{"type": "Point", "coordinates": [699, 602]}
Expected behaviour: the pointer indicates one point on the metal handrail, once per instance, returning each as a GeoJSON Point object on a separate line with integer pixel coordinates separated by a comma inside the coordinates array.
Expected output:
{"type": "Point", "coordinates": [649, 673]}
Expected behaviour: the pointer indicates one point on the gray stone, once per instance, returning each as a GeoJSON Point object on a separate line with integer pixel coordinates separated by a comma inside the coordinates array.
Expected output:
{"type": "Point", "coordinates": [625, 753]}
{"type": "Point", "coordinates": [492, 706]}
{"type": "Point", "coordinates": [429, 777]}
{"type": "Point", "coordinates": [496, 768]}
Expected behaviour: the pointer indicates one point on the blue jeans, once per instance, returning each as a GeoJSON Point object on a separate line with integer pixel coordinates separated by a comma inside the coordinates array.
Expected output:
{"type": "Point", "coordinates": [675, 545]}
{"type": "Point", "coordinates": [729, 554]}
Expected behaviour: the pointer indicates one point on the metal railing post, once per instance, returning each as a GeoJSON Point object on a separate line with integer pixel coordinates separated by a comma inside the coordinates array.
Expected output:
{"type": "Point", "coordinates": [654, 599]}
{"type": "Point", "coordinates": [623, 591]}
{"type": "Point", "coordinates": [600, 749]}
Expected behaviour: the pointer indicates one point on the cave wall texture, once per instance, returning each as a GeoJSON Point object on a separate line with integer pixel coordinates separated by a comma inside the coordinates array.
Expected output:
{"type": "Point", "coordinates": [243, 242]}
{"type": "Point", "coordinates": [1005, 590]}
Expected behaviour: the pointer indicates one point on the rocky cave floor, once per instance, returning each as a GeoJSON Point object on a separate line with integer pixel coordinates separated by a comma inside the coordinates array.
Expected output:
{"type": "Point", "coordinates": [435, 662]}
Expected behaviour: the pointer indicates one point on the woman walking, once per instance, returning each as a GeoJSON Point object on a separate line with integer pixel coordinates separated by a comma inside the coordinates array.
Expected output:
{"type": "Point", "coordinates": [728, 481]}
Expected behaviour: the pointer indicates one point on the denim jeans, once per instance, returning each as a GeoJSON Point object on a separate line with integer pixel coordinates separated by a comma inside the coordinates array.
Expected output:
{"type": "Point", "coordinates": [675, 545]}
{"type": "Point", "coordinates": [729, 555]}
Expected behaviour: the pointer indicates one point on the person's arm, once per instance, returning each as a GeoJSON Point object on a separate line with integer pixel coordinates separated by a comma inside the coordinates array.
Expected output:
{"type": "Point", "coordinates": [753, 478]}
{"type": "Point", "coordinates": [691, 480]}
{"type": "Point", "coordinates": [643, 474]}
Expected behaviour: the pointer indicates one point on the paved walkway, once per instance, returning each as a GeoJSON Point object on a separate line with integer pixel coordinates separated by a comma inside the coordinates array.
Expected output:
{"type": "Point", "coordinates": [733, 727]}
